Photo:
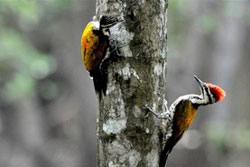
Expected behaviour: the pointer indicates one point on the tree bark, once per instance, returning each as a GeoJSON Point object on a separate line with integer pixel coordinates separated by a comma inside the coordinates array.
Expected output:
{"type": "Point", "coordinates": [127, 135]}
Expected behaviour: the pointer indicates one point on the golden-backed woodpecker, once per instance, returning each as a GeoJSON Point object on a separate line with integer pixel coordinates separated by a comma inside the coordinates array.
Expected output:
{"type": "Point", "coordinates": [183, 111]}
{"type": "Point", "coordinates": [94, 45]}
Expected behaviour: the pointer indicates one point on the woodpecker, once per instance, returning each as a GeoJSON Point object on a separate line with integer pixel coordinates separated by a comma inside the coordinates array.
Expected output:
{"type": "Point", "coordinates": [94, 45]}
{"type": "Point", "coordinates": [183, 111]}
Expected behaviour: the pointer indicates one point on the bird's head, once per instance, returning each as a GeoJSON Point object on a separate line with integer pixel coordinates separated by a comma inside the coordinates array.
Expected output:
{"type": "Point", "coordinates": [210, 93]}
{"type": "Point", "coordinates": [107, 21]}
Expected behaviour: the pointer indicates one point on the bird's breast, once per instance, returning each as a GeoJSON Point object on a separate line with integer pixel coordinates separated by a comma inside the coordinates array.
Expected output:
{"type": "Point", "coordinates": [184, 116]}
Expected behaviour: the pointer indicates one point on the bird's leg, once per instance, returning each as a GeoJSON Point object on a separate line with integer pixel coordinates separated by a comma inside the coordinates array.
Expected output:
{"type": "Point", "coordinates": [112, 51]}
{"type": "Point", "coordinates": [115, 47]}
{"type": "Point", "coordinates": [165, 114]}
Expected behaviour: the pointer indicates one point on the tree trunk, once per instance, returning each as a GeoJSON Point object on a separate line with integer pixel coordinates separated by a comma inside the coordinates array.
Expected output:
{"type": "Point", "coordinates": [136, 71]}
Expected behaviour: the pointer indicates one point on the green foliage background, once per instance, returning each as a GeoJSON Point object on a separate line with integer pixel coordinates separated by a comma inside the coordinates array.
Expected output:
{"type": "Point", "coordinates": [48, 105]}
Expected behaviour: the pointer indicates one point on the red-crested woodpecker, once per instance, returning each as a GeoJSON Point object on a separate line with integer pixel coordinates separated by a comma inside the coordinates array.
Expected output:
{"type": "Point", "coordinates": [183, 110]}
{"type": "Point", "coordinates": [94, 45]}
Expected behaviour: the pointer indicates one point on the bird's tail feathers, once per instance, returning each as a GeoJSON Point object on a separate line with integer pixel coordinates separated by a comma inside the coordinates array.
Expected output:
{"type": "Point", "coordinates": [100, 82]}
{"type": "Point", "coordinates": [163, 158]}
{"type": "Point", "coordinates": [166, 151]}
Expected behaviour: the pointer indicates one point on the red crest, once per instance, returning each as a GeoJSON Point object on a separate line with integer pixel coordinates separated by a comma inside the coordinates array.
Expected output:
{"type": "Point", "coordinates": [218, 93]}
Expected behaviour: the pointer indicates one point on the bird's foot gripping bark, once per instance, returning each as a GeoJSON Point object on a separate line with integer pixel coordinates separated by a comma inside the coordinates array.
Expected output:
{"type": "Point", "coordinates": [166, 114]}
{"type": "Point", "coordinates": [166, 120]}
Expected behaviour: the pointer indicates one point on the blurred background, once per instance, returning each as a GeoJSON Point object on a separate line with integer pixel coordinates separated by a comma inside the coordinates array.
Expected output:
{"type": "Point", "coordinates": [47, 101]}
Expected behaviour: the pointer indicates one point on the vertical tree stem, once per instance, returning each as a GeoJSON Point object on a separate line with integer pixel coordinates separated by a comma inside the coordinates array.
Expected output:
{"type": "Point", "coordinates": [136, 78]}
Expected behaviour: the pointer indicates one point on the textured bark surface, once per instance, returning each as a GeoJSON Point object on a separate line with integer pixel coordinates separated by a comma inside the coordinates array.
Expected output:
{"type": "Point", "coordinates": [136, 78]}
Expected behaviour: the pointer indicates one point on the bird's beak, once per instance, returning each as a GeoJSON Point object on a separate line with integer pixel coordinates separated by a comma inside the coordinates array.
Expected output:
{"type": "Point", "coordinates": [200, 82]}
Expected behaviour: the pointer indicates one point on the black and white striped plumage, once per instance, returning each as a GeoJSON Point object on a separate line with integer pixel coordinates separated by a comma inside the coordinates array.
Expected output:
{"type": "Point", "coordinates": [182, 112]}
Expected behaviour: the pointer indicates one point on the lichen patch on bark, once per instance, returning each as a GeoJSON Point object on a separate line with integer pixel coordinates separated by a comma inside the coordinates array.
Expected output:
{"type": "Point", "coordinates": [137, 111]}
{"type": "Point", "coordinates": [158, 69]}
{"type": "Point", "coordinates": [152, 160]}
{"type": "Point", "coordinates": [114, 126]}
{"type": "Point", "coordinates": [127, 72]}
{"type": "Point", "coordinates": [134, 158]}
{"type": "Point", "coordinates": [122, 154]}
